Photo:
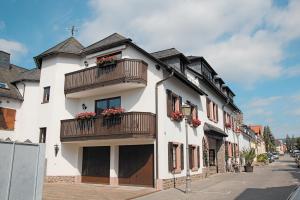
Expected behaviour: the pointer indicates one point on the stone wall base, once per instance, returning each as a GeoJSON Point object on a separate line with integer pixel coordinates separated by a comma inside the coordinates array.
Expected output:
{"type": "Point", "coordinates": [62, 179]}
{"type": "Point", "coordinates": [175, 182]}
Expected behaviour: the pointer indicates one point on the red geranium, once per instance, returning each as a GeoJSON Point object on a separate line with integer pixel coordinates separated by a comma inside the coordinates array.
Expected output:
{"type": "Point", "coordinates": [103, 60]}
{"type": "Point", "coordinates": [227, 125]}
{"type": "Point", "coordinates": [112, 111]}
{"type": "Point", "coordinates": [177, 116]}
{"type": "Point", "coordinates": [85, 115]}
{"type": "Point", "coordinates": [196, 122]}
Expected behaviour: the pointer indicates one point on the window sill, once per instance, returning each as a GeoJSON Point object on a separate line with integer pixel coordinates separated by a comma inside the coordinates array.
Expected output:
{"type": "Point", "coordinates": [3, 129]}
{"type": "Point", "coordinates": [45, 102]}
{"type": "Point", "coordinates": [194, 169]}
{"type": "Point", "coordinates": [176, 171]}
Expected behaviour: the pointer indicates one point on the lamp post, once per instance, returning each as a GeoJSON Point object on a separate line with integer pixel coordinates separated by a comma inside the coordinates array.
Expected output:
{"type": "Point", "coordinates": [186, 110]}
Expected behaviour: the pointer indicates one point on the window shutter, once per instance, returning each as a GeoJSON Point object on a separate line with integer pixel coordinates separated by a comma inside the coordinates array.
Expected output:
{"type": "Point", "coordinates": [10, 118]}
{"type": "Point", "coordinates": [181, 157]}
{"type": "Point", "coordinates": [2, 119]}
{"type": "Point", "coordinates": [198, 156]}
{"type": "Point", "coordinates": [217, 113]}
{"type": "Point", "coordinates": [208, 108]}
{"type": "Point", "coordinates": [191, 156]}
{"type": "Point", "coordinates": [170, 155]}
{"type": "Point", "coordinates": [169, 103]}
{"type": "Point", "coordinates": [196, 107]}
{"type": "Point", "coordinates": [180, 103]}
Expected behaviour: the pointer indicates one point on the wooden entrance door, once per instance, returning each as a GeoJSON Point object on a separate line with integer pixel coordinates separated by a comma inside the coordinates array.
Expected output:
{"type": "Point", "coordinates": [95, 164]}
{"type": "Point", "coordinates": [136, 165]}
{"type": "Point", "coordinates": [212, 157]}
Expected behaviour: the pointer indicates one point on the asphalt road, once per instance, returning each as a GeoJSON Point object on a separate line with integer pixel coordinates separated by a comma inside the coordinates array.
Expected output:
{"type": "Point", "coordinates": [275, 181]}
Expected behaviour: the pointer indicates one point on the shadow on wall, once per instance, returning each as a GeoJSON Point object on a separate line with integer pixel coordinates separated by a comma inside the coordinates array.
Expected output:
{"type": "Point", "coordinates": [272, 193]}
{"type": "Point", "coordinates": [70, 153]}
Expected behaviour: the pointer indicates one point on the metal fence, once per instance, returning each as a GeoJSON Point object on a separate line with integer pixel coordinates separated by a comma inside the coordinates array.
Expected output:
{"type": "Point", "coordinates": [21, 171]}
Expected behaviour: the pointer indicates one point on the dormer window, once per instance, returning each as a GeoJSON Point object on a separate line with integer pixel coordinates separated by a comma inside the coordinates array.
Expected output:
{"type": "Point", "coordinates": [4, 85]}
{"type": "Point", "coordinates": [182, 67]}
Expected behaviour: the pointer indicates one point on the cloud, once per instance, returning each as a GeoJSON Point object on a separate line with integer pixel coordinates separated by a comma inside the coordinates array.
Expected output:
{"type": "Point", "coordinates": [292, 71]}
{"type": "Point", "coordinates": [245, 42]}
{"type": "Point", "coordinates": [16, 49]}
{"type": "Point", "coordinates": [263, 102]}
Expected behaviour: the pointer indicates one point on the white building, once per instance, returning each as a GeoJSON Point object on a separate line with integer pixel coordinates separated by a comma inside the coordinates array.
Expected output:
{"type": "Point", "coordinates": [144, 143]}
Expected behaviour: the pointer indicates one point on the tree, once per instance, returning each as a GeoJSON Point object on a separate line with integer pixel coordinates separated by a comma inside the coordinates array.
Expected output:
{"type": "Point", "coordinates": [288, 142]}
{"type": "Point", "coordinates": [269, 139]}
{"type": "Point", "coordinates": [298, 143]}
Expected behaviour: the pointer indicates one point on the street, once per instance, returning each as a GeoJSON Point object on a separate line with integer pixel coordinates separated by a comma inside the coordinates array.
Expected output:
{"type": "Point", "coordinates": [272, 182]}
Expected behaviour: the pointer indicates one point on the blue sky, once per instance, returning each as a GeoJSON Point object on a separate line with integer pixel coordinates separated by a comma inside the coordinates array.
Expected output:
{"type": "Point", "coordinates": [254, 45]}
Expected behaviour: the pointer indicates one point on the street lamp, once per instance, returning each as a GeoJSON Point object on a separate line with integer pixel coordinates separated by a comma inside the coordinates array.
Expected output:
{"type": "Point", "coordinates": [186, 111]}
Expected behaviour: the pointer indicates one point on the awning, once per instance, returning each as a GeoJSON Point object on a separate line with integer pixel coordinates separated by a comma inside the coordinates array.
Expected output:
{"type": "Point", "coordinates": [214, 132]}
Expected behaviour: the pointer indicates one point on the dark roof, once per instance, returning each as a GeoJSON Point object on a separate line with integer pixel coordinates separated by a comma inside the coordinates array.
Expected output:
{"type": "Point", "coordinates": [219, 79]}
{"type": "Point", "coordinates": [214, 131]}
{"type": "Point", "coordinates": [68, 46]}
{"type": "Point", "coordinates": [227, 88]}
{"type": "Point", "coordinates": [169, 53]}
{"type": "Point", "coordinates": [203, 60]}
{"type": "Point", "coordinates": [30, 75]}
{"type": "Point", "coordinates": [112, 39]}
{"type": "Point", "coordinates": [6, 76]}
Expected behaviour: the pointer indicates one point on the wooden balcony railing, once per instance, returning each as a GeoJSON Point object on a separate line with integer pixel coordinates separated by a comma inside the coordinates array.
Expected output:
{"type": "Point", "coordinates": [125, 70]}
{"type": "Point", "coordinates": [130, 124]}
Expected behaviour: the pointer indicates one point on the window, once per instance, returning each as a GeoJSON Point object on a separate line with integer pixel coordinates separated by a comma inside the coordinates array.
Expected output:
{"type": "Point", "coordinates": [182, 67]}
{"type": "Point", "coordinates": [103, 104]}
{"type": "Point", "coordinates": [194, 110]}
{"type": "Point", "coordinates": [43, 135]}
{"type": "Point", "coordinates": [3, 85]}
{"type": "Point", "coordinates": [194, 157]}
{"type": "Point", "coordinates": [7, 118]}
{"type": "Point", "coordinates": [174, 102]}
{"type": "Point", "coordinates": [227, 120]}
{"type": "Point", "coordinates": [176, 159]}
{"type": "Point", "coordinates": [212, 110]}
{"type": "Point", "coordinates": [46, 96]}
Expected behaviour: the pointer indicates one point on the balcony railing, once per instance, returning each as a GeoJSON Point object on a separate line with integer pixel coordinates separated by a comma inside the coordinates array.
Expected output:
{"type": "Point", "coordinates": [125, 70]}
{"type": "Point", "coordinates": [130, 124]}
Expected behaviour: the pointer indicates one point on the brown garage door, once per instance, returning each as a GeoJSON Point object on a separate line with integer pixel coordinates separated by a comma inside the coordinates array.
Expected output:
{"type": "Point", "coordinates": [95, 164]}
{"type": "Point", "coordinates": [136, 165]}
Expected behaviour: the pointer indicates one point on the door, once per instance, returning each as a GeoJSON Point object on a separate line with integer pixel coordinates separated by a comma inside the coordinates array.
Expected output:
{"type": "Point", "coordinates": [212, 157]}
{"type": "Point", "coordinates": [136, 165]}
{"type": "Point", "coordinates": [95, 164]}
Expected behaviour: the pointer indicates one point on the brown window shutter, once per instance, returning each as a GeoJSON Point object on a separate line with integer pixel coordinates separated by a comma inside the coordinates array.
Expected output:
{"type": "Point", "coordinates": [191, 156]}
{"type": "Point", "coordinates": [11, 114]}
{"type": "Point", "coordinates": [196, 107]}
{"type": "Point", "coordinates": [181, 157]}
{"type": "Point", "coordinates": [169, 103]}
{"type": "Point", "coordinates": [2, 119]}
{"type": "Point", "coordinates": [198, 156]}
{"type": "Point", "coordinates": [180, 103]}
{"type": "Point", "coordinates": [217, 113]}
{"type": "Point", "coordinates": [170, 155]}
{"type": "Point", "coordinates": [208, 107]}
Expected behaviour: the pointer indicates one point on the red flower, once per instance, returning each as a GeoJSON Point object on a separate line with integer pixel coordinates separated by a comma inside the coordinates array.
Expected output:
{"type": "Point", "coordinates": [103, 60]}
{"type": "Point", "coordinates": [112, 111]}
{"type": "Point", "coordinates": [177, 116]}
{"type": "Point", "coordinates": [227, 125]}
{"type": "Point", "coordinates": [196, 122]}
{"type": "Point", "coordinates": [85, 115]}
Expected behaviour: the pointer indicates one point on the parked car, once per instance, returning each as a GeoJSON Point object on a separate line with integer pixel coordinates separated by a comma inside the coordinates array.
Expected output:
{"type": "Point", "coordinates": [294, 152]}
{"type": "Point", "coordinates": [276, 155]}
{"type": "Point", "coordinates": [270, 157]}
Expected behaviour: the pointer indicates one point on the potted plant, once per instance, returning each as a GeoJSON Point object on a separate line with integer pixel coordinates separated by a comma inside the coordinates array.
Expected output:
{"type": "Point", "coordinates": [106, 61]}
{"type": "Point", "coordinates": [177, 116]}
{"type": "Point", "coordinates": [249, 156]}
{"type": "Point", "coordinates": [195, 123]}
{"type": "Point", "coordinates": [85, 119]}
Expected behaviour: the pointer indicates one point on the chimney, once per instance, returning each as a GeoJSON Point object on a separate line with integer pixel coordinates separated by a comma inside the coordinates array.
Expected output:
{"type": "Point", "coordinates": [4, 59]}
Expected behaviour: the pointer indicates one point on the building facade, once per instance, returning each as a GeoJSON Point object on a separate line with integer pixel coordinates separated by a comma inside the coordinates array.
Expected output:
{"type": "Point", "coordinates": [111, 113]}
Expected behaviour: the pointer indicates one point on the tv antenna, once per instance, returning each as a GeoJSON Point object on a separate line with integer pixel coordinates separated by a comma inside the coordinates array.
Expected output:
{"type": "Point", "coordinates": [73, 30]}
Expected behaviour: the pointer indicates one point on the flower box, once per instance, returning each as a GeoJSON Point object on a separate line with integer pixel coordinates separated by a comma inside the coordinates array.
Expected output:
{"type": "Point", "coordinates": [85, 115]}
{"type": "Point", "coordinates": [106, 60]}
{"type": "Point", "coordinates": [195, 123]}
{"type": "Point", "coordinates": [177, 116]}
{"type": "Point", "coordinates": [110, 112]}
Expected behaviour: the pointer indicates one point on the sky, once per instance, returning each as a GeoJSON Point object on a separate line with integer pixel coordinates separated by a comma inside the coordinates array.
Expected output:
{"type": "Point", "coordinates": [254, 45]}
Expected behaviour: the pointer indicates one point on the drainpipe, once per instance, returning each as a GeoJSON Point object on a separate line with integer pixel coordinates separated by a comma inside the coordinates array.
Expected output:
{"type": "Point", "coordinates": [156, 111]}
{"type": "Point", "coordinates": [224, 105]}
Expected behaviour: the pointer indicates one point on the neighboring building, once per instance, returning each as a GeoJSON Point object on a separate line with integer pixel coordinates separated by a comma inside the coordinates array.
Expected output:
{"type": "Point", "coordinates": [259, 131]}
{"type": "Point", "coordinates": [247, 140]}
{"type": "Point", "coordinates": [18, 100]}
{"type": "Point", "coordinates": [138, 136]}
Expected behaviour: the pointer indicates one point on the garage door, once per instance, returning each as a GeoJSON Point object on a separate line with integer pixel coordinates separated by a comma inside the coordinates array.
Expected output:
{"type": "Point", "coordinates": [95, 164]}
{"type": "Point", "coordinates": [136, 165]}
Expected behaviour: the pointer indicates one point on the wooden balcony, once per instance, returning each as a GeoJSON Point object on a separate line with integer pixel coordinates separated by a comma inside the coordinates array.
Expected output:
{"type": "Point", "coordinates": [126, 125]}
{"type": "Point", "coordinates": [124, 74]}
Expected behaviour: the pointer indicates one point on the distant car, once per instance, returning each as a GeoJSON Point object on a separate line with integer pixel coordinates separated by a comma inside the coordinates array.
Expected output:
{"type": "Point", "coordinates": [294, 152]}
{"type": "Point", "coordinates": [270, 157]}
{"type": "Point", "coordinates": [276, 156]}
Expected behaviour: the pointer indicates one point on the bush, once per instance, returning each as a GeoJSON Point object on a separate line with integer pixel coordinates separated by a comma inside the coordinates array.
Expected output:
{"type": "Point", "coordinates": [262, 158]}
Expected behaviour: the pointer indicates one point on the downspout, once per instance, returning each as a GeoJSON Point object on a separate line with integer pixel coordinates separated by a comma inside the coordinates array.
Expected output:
{"type": "Point", "coordinates": [156, 124]}
{"type": "Point", "coordinates": [224, 105]}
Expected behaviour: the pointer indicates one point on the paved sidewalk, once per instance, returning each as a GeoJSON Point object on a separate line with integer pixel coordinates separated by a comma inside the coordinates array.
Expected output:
{"type": "Point", "coordinates": [273, 182]}
{"type": "Point", "coordinates": [92, 192]}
